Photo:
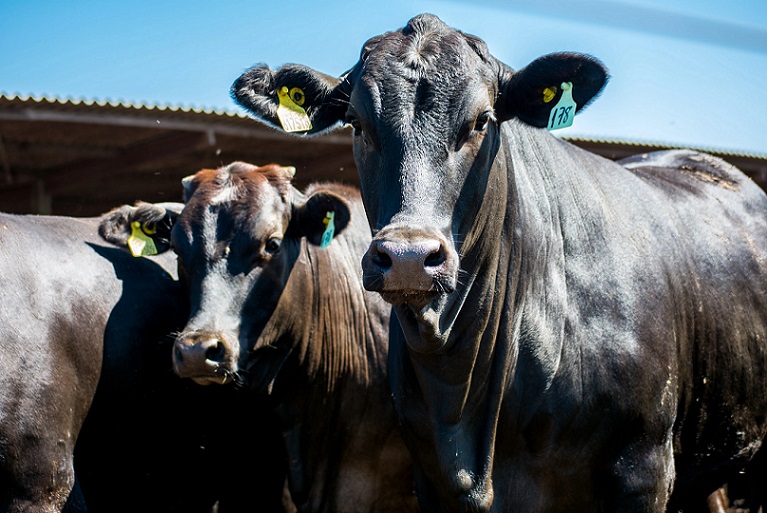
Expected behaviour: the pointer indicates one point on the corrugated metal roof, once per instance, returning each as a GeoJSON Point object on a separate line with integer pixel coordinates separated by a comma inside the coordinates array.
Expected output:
{"type": "Point", "coordinates": [656, 145]}
{"type": "Point", "coordinates": [82, 107]}
{"type": "Point", "coordinates": [81, 157]}
{"type": "Point", "coordinates": [69, 103]}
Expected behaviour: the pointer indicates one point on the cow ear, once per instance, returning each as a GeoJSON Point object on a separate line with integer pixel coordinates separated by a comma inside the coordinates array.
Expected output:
{"type": "Point", "coordinates": [188, 185]}
{"type": "Point", "coordinates": [143, 229]}
{"type": "Point", "coordinates": [531, 93]}
{"type": "Point", "coordinates": [294, 98]}
{"type": "Point", "coordinates": [321, 217]}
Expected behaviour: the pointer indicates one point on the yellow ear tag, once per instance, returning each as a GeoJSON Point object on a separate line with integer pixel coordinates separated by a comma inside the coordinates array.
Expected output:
{"type": "Point", "coordinates": [563, 113]}
{"type": "Point", "coordinates": [330, 229]}
{"type": "Point", "coordinates": [292, 116]}
{"type": "Point", "coordinates": [549, 93]}
{"type": "Point", "coordinates": [139, 243]}
{"type": "Point", "coordinates": [149, 230]}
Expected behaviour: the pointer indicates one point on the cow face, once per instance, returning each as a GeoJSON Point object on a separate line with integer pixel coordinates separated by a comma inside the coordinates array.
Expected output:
{"type": "Point", "coordinates": [238, 239]}
{"type": "Point", "coordinates": [425, 104]}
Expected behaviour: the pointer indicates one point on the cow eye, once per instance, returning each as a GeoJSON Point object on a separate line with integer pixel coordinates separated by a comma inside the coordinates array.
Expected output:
{"type": "Point", "coordinates": [272, 245]}
{"type": "Point", "coordinates": [482, 121]}
{"type": "Point", "coordinates": [355, 124]}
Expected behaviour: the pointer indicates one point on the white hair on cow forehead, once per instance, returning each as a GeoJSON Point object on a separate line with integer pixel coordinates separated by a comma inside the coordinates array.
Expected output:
{"type": "Point", "coordinates": [414, 57]}
{"type": "Point", "coordinates": [227, 194]}
{"type": "Point", "coordinates": [208, 236]}
{"type": "Point", "coordinates": [229, 190]}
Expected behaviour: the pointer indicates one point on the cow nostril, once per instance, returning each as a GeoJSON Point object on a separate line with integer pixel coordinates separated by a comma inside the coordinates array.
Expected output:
{"type": "Point", "coordinates": [436, 258]}
{"type": "Point", "coordinates": [178, 354]}
{"type": "Point", "coordinates": [215, 352]}
{"type": "Point", "coordinates": [382, 259]}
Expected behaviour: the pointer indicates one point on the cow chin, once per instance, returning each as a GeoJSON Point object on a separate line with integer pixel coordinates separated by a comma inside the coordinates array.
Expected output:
{"type": "Point", "coordinates": [211, 380]}
{"type": "Point", "coordinates": [264, 366]}
{"type": "Point", "coordinates": [419, 318]}
{"type": "Point", "coordinates": [221, 375]}
{"type": "Point", "coordinates": [414, 300]}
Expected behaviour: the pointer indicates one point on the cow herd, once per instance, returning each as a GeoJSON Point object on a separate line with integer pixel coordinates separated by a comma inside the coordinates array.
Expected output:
{"type": "Point", "coordinates": [529, 328]}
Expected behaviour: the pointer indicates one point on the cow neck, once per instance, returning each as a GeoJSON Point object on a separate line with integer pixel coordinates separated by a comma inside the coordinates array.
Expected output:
{"type": "Point", "coordinates": [520, 277]}
{"type": "Point", "coordinates": [545, 179]}
{"type": "Point", "coordinates": [340, 334]}
{"type": "Point", "coordinates": [513, 266]}
{"type": "Point", "coordinates": [342, 339]}
{"type": "Point", "coordinates": [460, 389]}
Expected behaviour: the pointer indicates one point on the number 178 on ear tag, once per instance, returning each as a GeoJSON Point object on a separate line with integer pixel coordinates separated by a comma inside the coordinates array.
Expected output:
{"type": "Point", "coordinates": [290, 112]}
{"type": "Point", "coordinates": [563, 113]}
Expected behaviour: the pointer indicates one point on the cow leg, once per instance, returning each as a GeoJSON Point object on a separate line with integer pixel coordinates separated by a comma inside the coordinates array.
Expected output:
{"type": "Point", "coordinates": [43, 479]}
{"type": "Point", "coordinates": [48, 494]}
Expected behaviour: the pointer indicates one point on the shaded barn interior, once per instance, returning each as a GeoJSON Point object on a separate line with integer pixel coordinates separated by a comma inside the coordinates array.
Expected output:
{"type": "Point", "coordinates": [81, 158]}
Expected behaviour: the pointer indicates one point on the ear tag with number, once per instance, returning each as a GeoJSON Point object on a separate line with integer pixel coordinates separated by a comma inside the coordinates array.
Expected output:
{"type": "Point", "coordinates": [292, 116]}
{"type": "Point", "coordinates": [330, 229]}
{"type": "Point", "coordinates": [139, 243]}
{"type": "Point", "coordinates": [563, 113]}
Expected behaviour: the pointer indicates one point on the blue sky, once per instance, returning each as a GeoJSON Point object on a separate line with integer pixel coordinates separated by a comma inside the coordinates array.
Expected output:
{"type": "Point", "coordinates": [684, 72]}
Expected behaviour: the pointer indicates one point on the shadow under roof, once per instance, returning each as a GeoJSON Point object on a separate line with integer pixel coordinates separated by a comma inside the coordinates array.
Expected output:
{"type": "Point", "coordinates": [82, 158]}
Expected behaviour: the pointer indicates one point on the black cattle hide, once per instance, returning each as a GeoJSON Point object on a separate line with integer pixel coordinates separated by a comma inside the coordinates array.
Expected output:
{"type": "Point", "coordinates": [87, 334]}
{"type": "Point", "coordinates": [572, 334]}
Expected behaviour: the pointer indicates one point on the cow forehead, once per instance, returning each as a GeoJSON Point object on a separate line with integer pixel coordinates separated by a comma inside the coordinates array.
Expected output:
{"type": "Point", "coordinates": [225, 203]}
{"type": "Point", "coordinates": [411, 71]}
{"type": "Point", "coordinates": [425, 49]}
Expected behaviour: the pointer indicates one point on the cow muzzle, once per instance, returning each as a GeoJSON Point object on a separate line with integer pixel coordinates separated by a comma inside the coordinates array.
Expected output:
{"type": "Point", "coordinates": [205, 357]}
{"type": "Point", "coordinates": [408, 267]}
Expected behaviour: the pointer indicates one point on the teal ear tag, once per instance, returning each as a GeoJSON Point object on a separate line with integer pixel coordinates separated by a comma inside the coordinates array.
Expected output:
{"type": "Point", "coordinates": [563, 113]}
{"type": "Point", "coordinates": [330, 229]}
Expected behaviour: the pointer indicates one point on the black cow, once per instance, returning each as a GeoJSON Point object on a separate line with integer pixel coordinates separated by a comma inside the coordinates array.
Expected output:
{"type": "Point", "coordinates": [80, 319]}
{"type": "Point", "coordinates": [278, 307]}
{"type": "Point", "coordinates": [574, 335]}
{"type": "Point", "coordinates": [59, 288]}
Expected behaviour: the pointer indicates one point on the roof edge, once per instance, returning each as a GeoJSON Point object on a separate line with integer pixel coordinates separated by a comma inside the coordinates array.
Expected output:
{"type": "Point", "coordinates": [657, 145]}
{"type": "Point", "coordinates": [70, 100]}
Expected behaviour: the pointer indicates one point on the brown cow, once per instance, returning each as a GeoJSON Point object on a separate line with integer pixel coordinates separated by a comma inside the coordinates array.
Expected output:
{"type": "Point", "coordinates": [278, 307]}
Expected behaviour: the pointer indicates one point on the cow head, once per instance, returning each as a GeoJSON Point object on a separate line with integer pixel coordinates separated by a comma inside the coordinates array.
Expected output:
{"type": "Point", "coordinates": [237, 240]}
{"type": "Point", "coordinates": [426, 105]}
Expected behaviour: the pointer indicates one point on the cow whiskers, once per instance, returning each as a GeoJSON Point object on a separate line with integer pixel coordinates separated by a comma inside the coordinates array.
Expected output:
{"type": "Point", "coordinates": [168, 339]}
{"type": "Point", "coordinates": [439, 287]}
{"type": "Point", "coordinates": [339, 101]}
{"type": "Point", "coordinates": [238, 381]}
{"type": "Point", "coordinates": [376, 283]}
{"type": "Point", "coordinates": [462, 274]}
{"type": "Point", "coordinates": [231, 376]}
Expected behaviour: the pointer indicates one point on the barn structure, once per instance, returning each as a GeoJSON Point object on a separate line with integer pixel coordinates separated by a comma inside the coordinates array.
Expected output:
{"type": "Point", "coordinates": [81, 158]}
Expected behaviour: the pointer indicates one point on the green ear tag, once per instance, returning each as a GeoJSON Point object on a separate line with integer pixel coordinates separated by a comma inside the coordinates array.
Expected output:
{"type": "Point", "coordinates": [330, 229]}
{"type": "Point", "coordinates": [139, 243]}
{"type": "Point", "coordinates": [563, 113]}
{"type": "Point", "coordinates": [292, 116]}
